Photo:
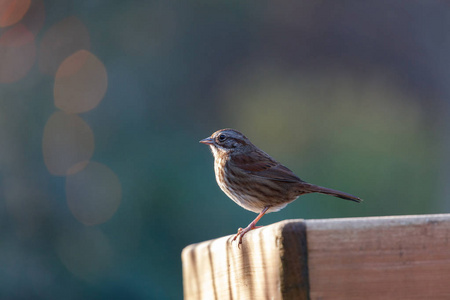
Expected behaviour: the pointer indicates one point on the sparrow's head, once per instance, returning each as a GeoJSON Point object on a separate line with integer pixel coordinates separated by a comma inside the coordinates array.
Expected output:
{"type": "Point", "coordinates": [227, 141]}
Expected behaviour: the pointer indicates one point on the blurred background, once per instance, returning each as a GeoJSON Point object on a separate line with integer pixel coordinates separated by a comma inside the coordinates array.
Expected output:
{"type": "Point", "coordinates": [102, 105]}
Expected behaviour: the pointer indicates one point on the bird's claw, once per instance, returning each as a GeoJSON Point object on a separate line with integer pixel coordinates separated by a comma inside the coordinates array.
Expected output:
{"type": "Point", "coordinates": [240, 235]}
{"type": "Point", "coordinates": [241, 232]}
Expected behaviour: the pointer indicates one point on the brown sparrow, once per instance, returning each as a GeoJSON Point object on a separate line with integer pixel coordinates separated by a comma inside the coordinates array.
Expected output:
{"type": "Point", "coordinates": [254, 180]}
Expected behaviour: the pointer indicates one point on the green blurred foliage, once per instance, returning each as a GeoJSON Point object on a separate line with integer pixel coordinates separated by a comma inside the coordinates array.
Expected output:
{"type": "Point", "coordinates": [352, 96]}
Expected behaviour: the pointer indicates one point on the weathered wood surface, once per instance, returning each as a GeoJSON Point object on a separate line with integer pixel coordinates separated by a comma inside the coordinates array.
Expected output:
{"type": "Point", "coordinates": [269, 265]}
{"type": "Point", "coordinates": [405, 257]}
{"type": "Point", "coordinates": [380, 258]}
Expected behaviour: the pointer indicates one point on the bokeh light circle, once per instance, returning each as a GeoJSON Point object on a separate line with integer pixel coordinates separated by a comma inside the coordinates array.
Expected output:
{"type": "Point", "coordinates": [17, 53]}
{"type": "Point", "coordinates": [60, 41]}
{"type": "Point", "coordinates": [67, 141]}
{"type": "Point", "coordinates": [93, 194]}
{"type": "Point", "coordinates": [80, 83]}
{"type": "Point", "coordinates": [12, 11]}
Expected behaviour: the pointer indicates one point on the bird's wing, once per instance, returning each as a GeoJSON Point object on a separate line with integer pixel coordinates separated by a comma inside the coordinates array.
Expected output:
{"type": "Point", "coordinates": [261, 165]}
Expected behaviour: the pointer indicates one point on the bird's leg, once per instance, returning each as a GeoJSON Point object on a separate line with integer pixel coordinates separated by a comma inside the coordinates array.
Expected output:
{"type": "Point", "coordinates": [242, 231]}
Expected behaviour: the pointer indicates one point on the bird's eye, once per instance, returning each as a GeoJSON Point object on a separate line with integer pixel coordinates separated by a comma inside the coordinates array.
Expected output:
{"type": "Point", "coordinates": [222, 137]}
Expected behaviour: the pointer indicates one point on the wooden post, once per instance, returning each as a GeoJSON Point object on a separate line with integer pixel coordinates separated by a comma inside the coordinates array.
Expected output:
{"type": "Point", "coordinates": [405, 257]}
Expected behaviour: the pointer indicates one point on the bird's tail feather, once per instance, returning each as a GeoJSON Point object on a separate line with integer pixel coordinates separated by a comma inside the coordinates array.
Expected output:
{"type": "Point", "coordinates": [311, 188]}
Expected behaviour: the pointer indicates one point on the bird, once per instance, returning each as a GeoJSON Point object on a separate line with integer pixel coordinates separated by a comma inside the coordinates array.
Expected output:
{"type": "Point", "coordinates": [254, 180]}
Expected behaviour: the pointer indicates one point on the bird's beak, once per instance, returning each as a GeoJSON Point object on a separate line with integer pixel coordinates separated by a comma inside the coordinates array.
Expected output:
{"type": "Point", "coordinates": [207, 141]}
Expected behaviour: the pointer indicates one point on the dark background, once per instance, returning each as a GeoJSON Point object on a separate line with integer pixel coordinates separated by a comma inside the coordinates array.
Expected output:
{"type": "Point", "coordinates": [352, 95]}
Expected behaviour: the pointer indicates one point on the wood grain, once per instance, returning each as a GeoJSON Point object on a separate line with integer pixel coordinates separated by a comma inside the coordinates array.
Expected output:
{"type": "Point", "coordinates": [404, 257]}
{"type": "Point", "coordinates": [271, 264]}
{"type": "Point", "coordinates": [380, 258]}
